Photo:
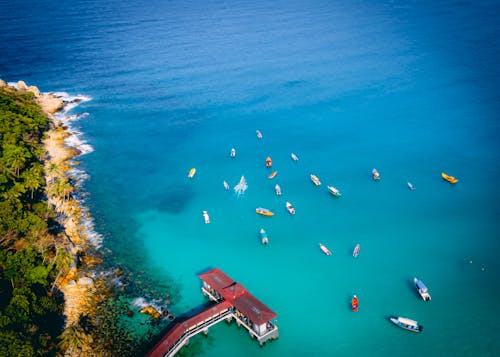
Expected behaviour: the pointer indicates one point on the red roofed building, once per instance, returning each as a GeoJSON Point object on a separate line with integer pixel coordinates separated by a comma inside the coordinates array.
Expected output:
{"type": "Point", "coordinates": [250, 311]}
{"type": "Point", "coordinates": [233, 301]}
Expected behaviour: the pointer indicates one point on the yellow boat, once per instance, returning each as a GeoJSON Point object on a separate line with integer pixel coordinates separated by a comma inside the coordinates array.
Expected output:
{"type": "Point", "coordinates": [192, 172]}
{"type": "Point", "coordinates": [264, 212]}
{"type": "Point", "coordinates": [316, 180]}
{"type": "Point", "coordinates": [449, 178]}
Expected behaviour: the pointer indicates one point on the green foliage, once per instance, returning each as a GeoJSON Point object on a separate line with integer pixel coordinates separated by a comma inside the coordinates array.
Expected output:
{"type": "Point", "coordinates": [30, 312]}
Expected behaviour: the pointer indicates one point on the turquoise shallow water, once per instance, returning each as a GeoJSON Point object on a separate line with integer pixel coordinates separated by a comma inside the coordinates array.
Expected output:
{"type": "Point", "coordinates": [411, 89]}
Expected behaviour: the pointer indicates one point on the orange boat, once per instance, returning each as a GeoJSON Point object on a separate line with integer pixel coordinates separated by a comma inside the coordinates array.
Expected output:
{"type": "Point", "coordinates": [264, 212]}
{"type": "Point", "coordinates": [274, 173]}
{"type": "Point", "coordinates": [449, 178]}
{"type": "Point", "coordinates": [269, 162]}
{"type": "Point", "coordinates": [354, 304]}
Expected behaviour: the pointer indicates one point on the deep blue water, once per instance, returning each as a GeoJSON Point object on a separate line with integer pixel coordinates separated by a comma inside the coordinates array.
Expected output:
{"type": "Point", "coordinates": [410, 88]}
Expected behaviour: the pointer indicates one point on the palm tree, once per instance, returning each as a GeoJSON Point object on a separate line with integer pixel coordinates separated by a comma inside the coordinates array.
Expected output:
{"type": "Point", "coordinates": [33, 178]}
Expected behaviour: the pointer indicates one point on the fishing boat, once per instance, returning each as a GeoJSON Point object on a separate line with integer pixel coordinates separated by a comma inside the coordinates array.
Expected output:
{"type": "Point", "coordinates": [334, 191]}
{"type": "Point", "coordinates": [355, 252]}
{"type": "Point", "coordinates": [226, 185]}
{"type": "Point", "coordinates": [274, 173]}
{"type": "Point", "coordinates": [422, 289]}
{"type": "Point", "coordinates": [233, 152]}
{"type": "Point", "coordinates": [410, 186]}
{"type": "Point", "coordinates": [449, 178]}
{"type": "Point", "coordinates": [325, 249]}
{"type": "Point", "coordinates": [290, 208]}
{"type": "Point", "coordinates": [277, 188]}
{"type": "Point", "coordinates": [354, 304]}
{"type": "Point", "coordinates": [269, 162]}
{"type": "Point", "coordinates": [316, 180]}
{"type": "Point", "coordinates": [192, 172]}
{"type": "Point", "coordinates": [264, 211]}
{"type": "Point", "coordinates": [206, 217]}
{"type": "Point", "coordinates": [376, 175]}
{"type": "Point", "coordinates": [263, 236]}
{"type": "Point", "coordinates": [294, 157]}
{"type": "Point", "coordinates": [407, 324]}
{"type": "Point", "coordinates": [259, 134]}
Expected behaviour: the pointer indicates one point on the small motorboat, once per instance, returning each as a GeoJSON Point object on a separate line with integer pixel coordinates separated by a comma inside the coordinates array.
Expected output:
{"type": "Point", "coordinates": [274, 173]}
{"type": "Point", "coordinates": [277, 188]}
{"type": "Point", "coordinates": [407, 324]}
{"type": "Point", "coordinates": [422, 289]}
{"type": "Point", "coordinates": [449, 178]}
{"type": "Point", "coordinates": [290, 208]}
{"type": "Point", "coordinates": [206, 217]}
{"type": "Point", "coordinates": [269, 162]}
{"type": "Point", "coordinates": [325, 249]}
{"type": "Point", "coordinates": [192, 172]}
{"type": "Point", "coordinates": [263, 236]}
{"type": "Point", "coordinates": [410, 186]}
{"type": "Point", "coordinates": [334, 191]}
{"type": "Point", "coordinates": [354, 304]}
{"type": "Point", "coordinates": [264, 211]}
{"type": "Point", "coordinates": [233, 152]}
{"type": "Point", "coordinates": [259, 134]}
{"type": "Point", "coordinates": [376, 175]}
{"type": "Point", "coordinates": [226, 185]}
{"type": "Point", "coordinates": [355, 252]}
{"type": "Point", "coordinates": [316, 180]}
{"type": "Point", "coordinates": [294, 157]}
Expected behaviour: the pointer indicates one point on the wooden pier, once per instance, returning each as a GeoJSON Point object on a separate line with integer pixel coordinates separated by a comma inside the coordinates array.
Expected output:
{"type": "Point", "coordinates": [232, 301]}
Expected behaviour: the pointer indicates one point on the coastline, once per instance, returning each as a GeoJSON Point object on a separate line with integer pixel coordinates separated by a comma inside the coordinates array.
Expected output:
{"type": "Point", "coordinates": [78, 284]}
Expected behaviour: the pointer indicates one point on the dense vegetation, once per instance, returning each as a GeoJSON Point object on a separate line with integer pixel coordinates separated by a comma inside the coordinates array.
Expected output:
{"type": "Point", "coordinates": [31, 250]}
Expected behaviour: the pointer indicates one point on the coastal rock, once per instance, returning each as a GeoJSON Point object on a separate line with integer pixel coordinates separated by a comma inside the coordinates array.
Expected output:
{"type": "Point", "coordinates": [49, 103]}
{"type": "Point", "coordinates": [85, 281]}
{"type": "Point", "coordinates": [3, 83]}
{"type": "Point", "coordinates": [151, 311]}
{"type": "Point", "coordinates": [34, 90]}
{"type": "Point", "coordinates": [21, 86]}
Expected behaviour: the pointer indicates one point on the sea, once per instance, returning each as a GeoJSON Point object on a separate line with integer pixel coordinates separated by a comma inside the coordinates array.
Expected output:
{"type": "Point", "coordinates": [410, 88]}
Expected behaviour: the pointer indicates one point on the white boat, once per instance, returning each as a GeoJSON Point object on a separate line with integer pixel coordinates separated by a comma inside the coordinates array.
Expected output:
{"type": "Point", "coordinates": [316, 180]}
{"type": "Point", "coordinates": [263, 236]}
{"type": "Point", "coordinates": [376, 175]}
{"type": "Point", "coordinates": [334, 191]}
{"type": "Point", "coordinates": [407, 324]}
{"type": "Point", "coordinates": [410, 186]}
{"type": "Point", "coordinates": [233, 152]}
{"type": "Point", "coordinates": [325, 249]}
{"type": "Point", "coordinates": [294, 157]}
{"type": "Point", "coordinates": [277, 188]}
{"type": "Point", "coordinates": [355, 252]}
{"type": "Point", "coordinates": [290, 208]}
{"type": "Point", "coordinates": [259, 134]}
{"type": "Point", "coordinates": [206, 217]}
{"type": "Point", "coordinates": [226, 185]}
{"type": "Point", "coordinates": [422, 289]}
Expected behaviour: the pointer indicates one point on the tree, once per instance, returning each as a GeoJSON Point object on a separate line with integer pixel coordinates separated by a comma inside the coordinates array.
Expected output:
{"type": "Point", "coordinates": [33, 177]}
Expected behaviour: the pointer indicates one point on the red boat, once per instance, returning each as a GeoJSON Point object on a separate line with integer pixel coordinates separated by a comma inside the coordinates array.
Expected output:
{"type": "Point", "coordinates": [354, 304]}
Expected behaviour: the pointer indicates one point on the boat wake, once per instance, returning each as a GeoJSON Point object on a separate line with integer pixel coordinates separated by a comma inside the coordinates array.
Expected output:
{"type": "Point", "coordinates": [241, 187]}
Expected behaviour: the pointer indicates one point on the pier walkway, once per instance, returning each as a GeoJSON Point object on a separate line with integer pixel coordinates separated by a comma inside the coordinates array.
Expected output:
{"type": "Point", "coordinates": [233, 301]}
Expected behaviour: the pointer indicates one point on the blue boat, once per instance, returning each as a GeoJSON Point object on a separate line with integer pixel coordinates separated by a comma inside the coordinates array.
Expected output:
{"type": "Point", "coordinates": [263, 236]}
{"type": "Point", "coordinates": [422, 289]}
{"type": "Point", "coordinates": [407, 324]}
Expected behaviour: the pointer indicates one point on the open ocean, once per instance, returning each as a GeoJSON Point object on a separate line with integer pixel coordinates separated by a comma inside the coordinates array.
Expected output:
{"type": "Point", "coordinates": [410, 88]}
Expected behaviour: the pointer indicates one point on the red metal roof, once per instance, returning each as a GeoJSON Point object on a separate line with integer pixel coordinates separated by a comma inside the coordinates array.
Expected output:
{"type": "Point", "coordinates": [252, 308]}
{"type": "Point", "coordinates": [235, 293]}
{"type": "Point", "coordinates": [178, 330]}
{"type": "Point", "coordinates": [216, 279]}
